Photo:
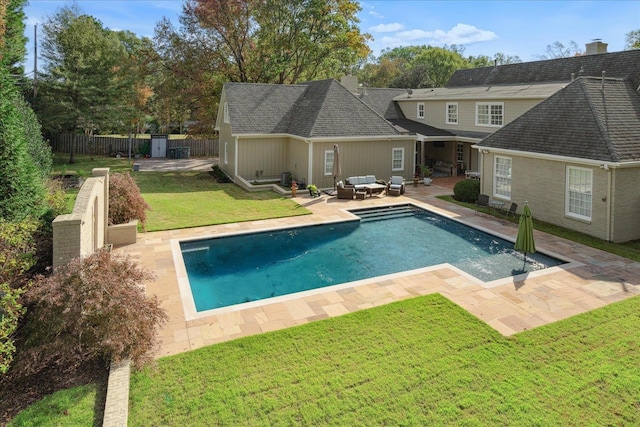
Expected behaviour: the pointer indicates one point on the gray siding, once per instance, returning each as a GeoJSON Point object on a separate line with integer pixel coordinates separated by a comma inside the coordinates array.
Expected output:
{"type": "Point", "coordinates": [435, 113]}
{"type": "Point", "coordinates": [262, 158]}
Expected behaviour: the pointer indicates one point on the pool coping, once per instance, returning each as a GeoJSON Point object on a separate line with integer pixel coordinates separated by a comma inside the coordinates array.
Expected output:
{"type": "Point", "coordinates": [191, 313]}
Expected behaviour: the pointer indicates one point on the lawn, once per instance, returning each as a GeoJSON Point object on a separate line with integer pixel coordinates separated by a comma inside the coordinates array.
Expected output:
{"type": "Point", "coordinates": [186, 199]}
{"type": "Point", "coordinates": [422, 361]}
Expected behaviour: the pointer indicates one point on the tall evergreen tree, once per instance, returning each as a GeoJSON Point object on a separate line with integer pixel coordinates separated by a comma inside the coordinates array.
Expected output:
{"type": "Point", "coordinates": [85, 77]}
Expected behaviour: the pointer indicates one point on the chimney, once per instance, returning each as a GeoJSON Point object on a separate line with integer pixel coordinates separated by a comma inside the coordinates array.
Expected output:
{"type": "Point", "coordinates": [596, 46]}
{"type": "Point", "coordinates": [350, 82]}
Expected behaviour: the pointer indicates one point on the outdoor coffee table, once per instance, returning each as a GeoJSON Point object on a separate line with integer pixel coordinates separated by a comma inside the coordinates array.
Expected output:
{"type": "Point", "coordinates": [378, 188]}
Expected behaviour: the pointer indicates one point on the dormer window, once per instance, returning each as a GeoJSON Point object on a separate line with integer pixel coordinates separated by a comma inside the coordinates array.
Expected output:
{"type": "Point", "coordinates": [420, 110]}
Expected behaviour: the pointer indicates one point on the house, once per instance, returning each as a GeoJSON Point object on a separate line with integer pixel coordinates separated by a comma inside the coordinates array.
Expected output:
{"type": "Point", "coordinates": [268, 132]}
{"type": "Point", "coordinates": [477, 102]}
{"type": "Point", "coordinates": [575, 157]}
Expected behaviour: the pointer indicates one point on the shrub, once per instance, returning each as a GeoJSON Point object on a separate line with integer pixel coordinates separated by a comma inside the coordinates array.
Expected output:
{"type": "Point", "coordinates": [91, 308]}
{"type": "Point", "coordinates": [17, 256]}
{"type": "Point", "coordinates": [125, 201]}
{"type": "Point", "coordinates": [466, 191]}
{"type": "Point", "coordinates": [21, 185]}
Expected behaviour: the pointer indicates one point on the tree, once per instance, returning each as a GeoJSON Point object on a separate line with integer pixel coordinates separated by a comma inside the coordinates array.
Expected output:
{"type": "Point", "coordinates": [13, 46]}
{"type": "Point", "coordinates": [125, 201]}
{"type": "Point", "coordinates": [633, 40]}
{"type": "Point", "coordinates": [558, 50]}
{"type": "Point", "coordinates": [260, 41]}
{"type": "Point", "coordinates": [86, 76]}
{"type": "Point", "coordinates": [21, 185]}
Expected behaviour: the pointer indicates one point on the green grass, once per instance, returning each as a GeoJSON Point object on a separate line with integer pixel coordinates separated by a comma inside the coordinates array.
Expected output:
{"type": "Point", "coordinates": [186, 199]}
{"type": "Point", "coordinates": [192, 199]}
{"type": "Point", "coordinates": [72, 407]}
{"type": "Point", "coordinates": [423, 361]}
{"type": "Point", "coordinates": [630, 250]}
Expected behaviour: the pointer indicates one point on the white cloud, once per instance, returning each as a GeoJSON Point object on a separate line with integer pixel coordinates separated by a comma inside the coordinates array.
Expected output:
{"type": "Point", "coordinates": [460, 34]}
{"type": "Point", "coordinates": [376, 14]}
{"type": "Point", "coordinates": [386, 28]}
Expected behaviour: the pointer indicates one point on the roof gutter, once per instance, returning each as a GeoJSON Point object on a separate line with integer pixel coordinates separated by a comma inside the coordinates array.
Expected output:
{"type": "Point", "coordinates": [327, 139]}
{"type": "Point", "coordinates": [554, 157]}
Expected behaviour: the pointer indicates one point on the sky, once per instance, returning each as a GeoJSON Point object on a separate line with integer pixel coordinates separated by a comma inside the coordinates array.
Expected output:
{"type": "Point", "coordinates": [515, 28]}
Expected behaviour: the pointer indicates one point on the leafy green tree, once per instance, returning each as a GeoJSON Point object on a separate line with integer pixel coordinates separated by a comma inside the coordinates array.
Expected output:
{"type": "Point", "coordinates": [632, 40]}
{"type": "Point", "coordinates": [86, 76]}
{"type": "Point", "coordinates": [260, 41]}
{"type": "Point", "coordinates": [21, 184]}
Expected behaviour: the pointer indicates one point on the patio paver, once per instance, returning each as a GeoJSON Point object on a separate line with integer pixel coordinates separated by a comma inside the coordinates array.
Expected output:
{"type": "Point", "coordinates": [595, 279]}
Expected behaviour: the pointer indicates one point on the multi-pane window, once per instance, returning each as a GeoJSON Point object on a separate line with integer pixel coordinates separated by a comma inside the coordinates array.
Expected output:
{"type": "Point", "coordinates": [328, 162]}
{"type": "Point", "coordinates": [489, 114]}
{"type": "Point", "coordinates": [226, 112]}
{"type": "Point", "coordinates": [452, 113]}
{"type": "Point", "coordinates": [460, 152]}
{"type": "Point", "coordinates": [397, 159]}
{"type": "Point", "coordinates": [421, 110]}
{"type": "Point", "coordinates": [579, 192]}
{"type": "Point", "coordinates": [226, 156]}
{"type": "Point", "coordinates": [502, 177]}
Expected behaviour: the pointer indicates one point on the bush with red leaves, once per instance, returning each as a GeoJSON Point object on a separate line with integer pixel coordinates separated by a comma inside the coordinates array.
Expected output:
{"type": "Point", "coordinates": [91, 308]}
{"type": "Point", "coordinates": [125, 201]}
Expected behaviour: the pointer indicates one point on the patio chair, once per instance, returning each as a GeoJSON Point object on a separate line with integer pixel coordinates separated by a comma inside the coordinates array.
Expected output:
{"type": "Point", "coordinates": [396, 186]}
{"type": "Point", "coordinates": [511, 211]}
{"type": "Point", "coordinates": [483, 201]}
{"type": "Point", "coordinates": [345, 192]}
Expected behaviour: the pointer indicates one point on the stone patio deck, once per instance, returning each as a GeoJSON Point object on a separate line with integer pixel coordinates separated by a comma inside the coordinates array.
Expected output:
{"type": "Point", "coordinates": [593, 279]}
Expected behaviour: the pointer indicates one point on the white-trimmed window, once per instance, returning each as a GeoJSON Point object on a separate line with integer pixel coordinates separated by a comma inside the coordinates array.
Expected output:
{"type": "Point", "coordinates": [460, 152]}
{"type": "Point", "coordinates": [397, 159]}
{"type": "Point", "coordinates": [420, 113]}
{"type": "Point", "coordinates": [226, 112]}
{"type": "Point", "coordinates": [226, 156]}
{"type": "Point", "coordinates": [452, 113]}
{"type": "Point", "coordinates": [502, 177]}
{"type": "Point", "coordinates": [579, 192]}
{"type": "Point", "coordinates": [489, 113]}
{"type": "Point", "coordinates": [328, 162]}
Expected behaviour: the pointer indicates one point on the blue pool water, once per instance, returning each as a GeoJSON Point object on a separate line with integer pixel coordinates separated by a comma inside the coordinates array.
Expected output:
{"type": "Point", "coordinates": [236, 269]}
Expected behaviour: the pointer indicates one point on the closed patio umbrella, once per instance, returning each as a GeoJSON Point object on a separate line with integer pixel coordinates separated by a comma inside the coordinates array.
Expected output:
{"type": "Point", "coordinates": [524, 240]}
{"type": "Point", "coordinates": [336, 164]}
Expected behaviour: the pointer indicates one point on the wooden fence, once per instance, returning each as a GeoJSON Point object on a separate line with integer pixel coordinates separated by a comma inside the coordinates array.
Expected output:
{"type": "Point", "coordinates": [107, 145]}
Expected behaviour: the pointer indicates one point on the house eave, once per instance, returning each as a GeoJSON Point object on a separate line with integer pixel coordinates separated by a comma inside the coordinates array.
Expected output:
{"type": "Point", "coordinates": [557, 158]}
{"type": "Point", "coordinates": [326, 139]}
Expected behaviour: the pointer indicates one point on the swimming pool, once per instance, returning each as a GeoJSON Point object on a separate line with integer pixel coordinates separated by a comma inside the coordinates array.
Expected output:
{"type": "Point", "coordinates": [236, 269]}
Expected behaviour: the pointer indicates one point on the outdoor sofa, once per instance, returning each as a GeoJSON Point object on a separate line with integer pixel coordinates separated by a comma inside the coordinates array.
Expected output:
{"type": "Point", "coordinates": [367, 183]}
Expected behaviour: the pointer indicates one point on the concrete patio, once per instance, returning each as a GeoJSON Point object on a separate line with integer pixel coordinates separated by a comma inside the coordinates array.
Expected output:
{"type": "Point", "coordinates": [593, 279]}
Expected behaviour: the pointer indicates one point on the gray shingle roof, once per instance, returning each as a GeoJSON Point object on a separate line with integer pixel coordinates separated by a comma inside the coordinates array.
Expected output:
{"type": "Point", "coordinates": [381, 101]}
{"type": "Point", "coordinates": [616, 64]}
{"type": "Point", "coordinates": [311, 110]}
{"type": "Point", "coordinates": [582, 120]}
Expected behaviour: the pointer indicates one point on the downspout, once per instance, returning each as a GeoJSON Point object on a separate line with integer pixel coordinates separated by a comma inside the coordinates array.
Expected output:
{"type": "Point", "coordinates": [310, 165]}
{"type": "Point", "coordinates": [610, 180]}
{"type": "Point", "coordinates": [235, 157]}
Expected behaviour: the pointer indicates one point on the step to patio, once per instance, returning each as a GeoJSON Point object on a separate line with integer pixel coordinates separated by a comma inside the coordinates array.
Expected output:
{"type": "Point", "coordinates": [382, 213]}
